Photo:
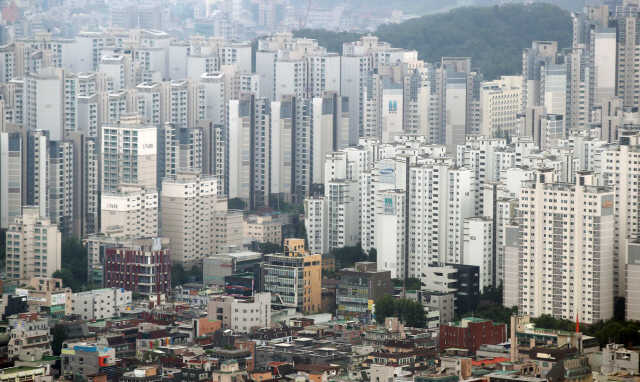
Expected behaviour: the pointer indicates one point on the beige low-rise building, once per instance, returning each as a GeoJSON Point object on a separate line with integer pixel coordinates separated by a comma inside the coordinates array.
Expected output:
{"type": "Point", "coordinates": [48, 296]}
{"type": "Point", "coordinates": [241, 315]}
{"type": "Point", "coordinates": [265, 228]}
{"type": "Point", "coordinates": [228, 226]}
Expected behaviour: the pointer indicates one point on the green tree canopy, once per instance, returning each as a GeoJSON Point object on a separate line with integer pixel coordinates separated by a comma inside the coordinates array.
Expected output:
{"type": "Point", "coordinates": [236, 204]}
{"type": "Point", "coordinates": [493, 37]}
{"type": "Point", "coordinates": [348, 256]}
{"type": "Point", "coordinates": [385, 307]}
{"type": "Point", "coordinates": [75, 258]}
{"type": "Point", "coordinates": [410, 312]}
{"type": "Point", "coordinates": [373, 255]}
{"type": "Point", "coordinates": [269, 248]}
{"type": "Point", "coordinates": [59, 336]}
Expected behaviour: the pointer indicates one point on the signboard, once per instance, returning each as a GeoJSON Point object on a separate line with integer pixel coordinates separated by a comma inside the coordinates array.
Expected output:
{"type": "Point", "coordinates": [22, 292]}
{"type": "Point", "coordinates": [58, 299]}
{"type": "Point", "coordinates": [606, 202]}
{"type": "Point", "coordinates": [389, 205]}
{"type": "Point", "coordinates": [39, 299]}
{"type": "Point", "coordinates": [387, 172]}
{"type": "Point", "coordinates": [633, 254]}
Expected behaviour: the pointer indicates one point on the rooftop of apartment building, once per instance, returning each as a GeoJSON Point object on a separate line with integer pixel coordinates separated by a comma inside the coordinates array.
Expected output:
{"type": "Point", "coordinates": [465, 321]}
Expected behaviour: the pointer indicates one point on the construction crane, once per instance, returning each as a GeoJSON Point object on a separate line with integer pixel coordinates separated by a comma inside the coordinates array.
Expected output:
{"type": "Point", "coordinates": [306, 16]}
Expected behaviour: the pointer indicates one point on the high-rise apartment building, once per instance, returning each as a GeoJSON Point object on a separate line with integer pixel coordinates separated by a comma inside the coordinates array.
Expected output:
{"type": "Point", "coordinates": [500, 103]}
{"type": "Point", "coordinates": [132, 210]}
{"type": "Point", "coordinates": [61, 182]}
{"type": "Point", "coordinates": [11, 157]}
{"type": "Point", "coordinates": [566, 257]}
{"type": "Point", "coordinates": [85, 184]}
{"type": "Point", "coordinates": [33, 246]}
{"type": "Point", "coordinates": [129, 153]}
{"type": "Point", "coordinates": [616, 165]}
{"type": "Point", "coordinates": [330, 129]}
{"type": "Point", "coordinates": [189, 203]}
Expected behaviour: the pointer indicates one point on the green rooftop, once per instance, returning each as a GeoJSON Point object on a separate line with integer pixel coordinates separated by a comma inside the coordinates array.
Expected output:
{"type": "Point", "coordinates": [18, 369]}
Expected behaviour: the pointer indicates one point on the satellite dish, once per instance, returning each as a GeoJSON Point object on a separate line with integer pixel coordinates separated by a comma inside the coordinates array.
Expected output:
{"type": "Point", "coordinates": [55, 31]}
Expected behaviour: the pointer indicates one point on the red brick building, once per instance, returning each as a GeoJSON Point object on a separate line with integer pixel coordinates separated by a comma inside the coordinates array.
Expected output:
{"type": "Point", "coordinates": [471, 333]}
{"type": "Point", "coordinates": [143, 267]}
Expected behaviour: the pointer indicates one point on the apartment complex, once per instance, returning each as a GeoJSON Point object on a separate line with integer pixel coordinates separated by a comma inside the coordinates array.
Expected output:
{"type": "Point", "coordinates": [33, 246]}
{"type": "Point", "coordinates": [567, 248]}
{"type": "Point", "coordinates": [130, 210]}
{"type": "Point", "coordinates": [189, 204]}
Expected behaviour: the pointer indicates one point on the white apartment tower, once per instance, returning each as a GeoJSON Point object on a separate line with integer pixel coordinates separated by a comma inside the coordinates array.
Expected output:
{"type": "Point", "coordinates": [11, 159]}
{"type": "Point", "coordinates": [617, 164]}
{"type": "Point", "coordinates": [33, 246]}
{"type": "Point", "coordinates": [567, 238]}
{"type": "Point", "coordinates": [316, 210]}
{"type": "Point", "coordinates": [132, 210]}
{"type": "Point", "coordinates": [129, 153]}
{"type": "Point", "coordinates": [189, 203]}
{"type": "Point", "coordinates": [61, 181]}
{"type": "Point", "coordinates": [478, 247]}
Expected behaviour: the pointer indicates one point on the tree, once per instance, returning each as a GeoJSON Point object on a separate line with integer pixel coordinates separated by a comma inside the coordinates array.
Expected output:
{"type": "Point", "coordinates": [413, 283]}
{"type": "Point", "coordinates": [236, 204]}
{"type": "Point", "coordinates": [317, 189]}
{"type": "Point", "coordinates": [302, 234]}
{"type": "Point", "coordinates": [373, 255]}
{"type": "Point", "coordinates": [75, 258]}
{"type": "Point", "coordinates": [59, 336]}
{"type": "Point", "coordinates": [68, 280]}
{"type": "Point", "coordinates": [414, 315]}
{"type": "Point", "coordinates": [269, 248]}
{"type": "Point", "coordinates": [492, 294]}
{"type": "Point", "coordinates": [136, 296]}
{"type": "Point", "coordinates": [178, 275]}
{"type": "Point", "coordinates": [462, 32]}
{"type": "Point", "coordinates": [348, 256]}
{"type": "Point", "coordinates": [385, 307]}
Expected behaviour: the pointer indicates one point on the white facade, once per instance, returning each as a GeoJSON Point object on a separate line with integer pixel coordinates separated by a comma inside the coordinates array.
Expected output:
{"type": "Point", "coordinates": [131, 211]}
{"type": "Point", "coordinates": [478, 247]}
{"type": "Point", "coordinates": [567, 248]}
{"type": "Point", "coordinates": [189, 202]}
{"type": "Point", "coordinates": [33, 246]}
{"type": "Point", "coordinates": [100, 303]}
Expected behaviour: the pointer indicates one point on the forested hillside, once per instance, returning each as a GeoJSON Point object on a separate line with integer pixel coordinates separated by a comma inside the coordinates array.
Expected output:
{"type": "Point", "coordinates": [493, 37]}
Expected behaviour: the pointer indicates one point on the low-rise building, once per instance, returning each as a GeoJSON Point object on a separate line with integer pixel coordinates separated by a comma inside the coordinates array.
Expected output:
{"type": "Point", "coordinates": [241, 315]}
{"type": "Point", "coordinates": [143, 267]}
{"type": "Point", "coordinates": [88, 358]}
{"type": "Point", "coordinates": [23, 373]}
{"type": "Point", "coordinates": [359, 287]}
{"type": "Point", "coordinates": [48, 295]}
{"type": "Point", "coordinates": [265, 228]}
{"type": "Point", "coordinates": [31, 333]}
{"type": "Point", "coordinates": [471, 333]}
{"type": "Point", "coordinates": [215, 268]}
{"type": "Point", "coordinates": [100, 303]}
